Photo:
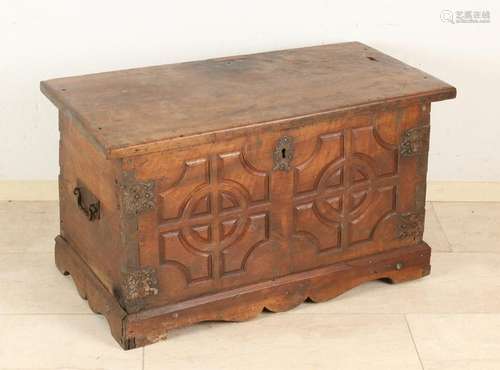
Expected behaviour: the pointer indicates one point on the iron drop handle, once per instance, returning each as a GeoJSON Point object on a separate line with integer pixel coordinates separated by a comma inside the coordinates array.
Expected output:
{"type": "Point", "coordinates": [87, 203]}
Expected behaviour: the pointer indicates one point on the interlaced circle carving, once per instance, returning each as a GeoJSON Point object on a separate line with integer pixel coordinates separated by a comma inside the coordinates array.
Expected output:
{"type": "Point", "coordinates": [225, 226]}
{"type": "Point", "coordinates": [352, 192]}
{"type": "Point", "coordinates": [213, 223]}
{"type": "Point", "coordinates": [345, 190]}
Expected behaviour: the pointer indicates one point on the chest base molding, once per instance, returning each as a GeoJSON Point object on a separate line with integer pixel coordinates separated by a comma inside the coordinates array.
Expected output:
{"type": "Point", "coordinates": [133, 330]}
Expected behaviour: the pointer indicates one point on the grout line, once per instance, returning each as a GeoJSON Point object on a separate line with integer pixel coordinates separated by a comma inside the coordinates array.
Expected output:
{"type": "Point", "coordinates": [467, 252]}
{"type": "Point", "coordinates": [285, 312]}
{"type": "Point", "coordinates": [441, 227]}
{"type": "Point", "coordinates": [497, 251]}
{"type": "Point", "coordinates": [389, 313]}
{"type": "Point", "coordinates": [48, 314]}
{"type": "Point", "coordinates": [464, 201]}
{"type": "Point", "coordinates": [413, 340]}
{"type": "Point", "coordinates": [343, 313]}
{"type": "Point", "coordinates": [143, 354]}
{"type": "Point", "coordinates": [437, 191]}
{"type": "Point", "coordinates": [26, 251]}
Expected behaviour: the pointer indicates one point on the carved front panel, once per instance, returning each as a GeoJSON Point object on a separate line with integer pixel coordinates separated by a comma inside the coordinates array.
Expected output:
{"type": "Point", "coordinates": [344, 191]}
{"type": "Point", "coordinates": [227, 215]}
{"type": "Point", "coordinates": [213, 218]}
{"type": "Point", "coordinates": [349, 190]}
{"type": "Point", "coordinates": [354, 191]}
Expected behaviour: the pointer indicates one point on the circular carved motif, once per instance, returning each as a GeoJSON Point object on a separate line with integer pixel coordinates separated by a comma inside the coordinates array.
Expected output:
{"type": "Point", "coordinates": [345, 192]}
{"type": "Point", "coordinates": [219, 227]}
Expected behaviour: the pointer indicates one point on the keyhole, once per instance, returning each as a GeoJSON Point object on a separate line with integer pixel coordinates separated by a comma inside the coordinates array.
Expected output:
{"type": "Point", "coordinates": [283, 153]}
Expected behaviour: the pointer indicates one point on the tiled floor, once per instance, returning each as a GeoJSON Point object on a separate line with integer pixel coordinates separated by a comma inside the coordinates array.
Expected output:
{"type": "Point", "coordinates": [449, 320]}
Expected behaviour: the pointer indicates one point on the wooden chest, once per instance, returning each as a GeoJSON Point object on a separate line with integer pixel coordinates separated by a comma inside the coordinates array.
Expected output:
{"type": "Point", "coordinates": [211, 190]}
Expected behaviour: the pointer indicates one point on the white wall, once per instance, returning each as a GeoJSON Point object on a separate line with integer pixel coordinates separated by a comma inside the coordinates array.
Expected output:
{"type": "Point", "coordinates": [46, 39]}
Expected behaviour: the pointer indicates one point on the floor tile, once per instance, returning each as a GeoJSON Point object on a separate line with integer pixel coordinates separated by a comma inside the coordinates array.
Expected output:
{"type": "Point", "coordinates": [458, 283]}
{"type": "Point", "coordinates": [289, 341]}
{"type": "Point", "coordinates": [62, 342]}
{"type": "Point", "coordinates": [433, 233]}
{"type": "Point", "coordinates": [454, 342]}
{"type": "Point", "coordinates": [470, 227]}
{"type": "Point", "coordinates": [31, 283]}
{"type": "Point", "coordinates": [28, 226]}
{"type": "Point", "coordinates": [454, 313]}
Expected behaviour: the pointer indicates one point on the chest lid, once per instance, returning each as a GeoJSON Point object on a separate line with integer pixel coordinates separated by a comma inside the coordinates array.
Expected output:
{"type": "Point", "coordinates": [143, 110]}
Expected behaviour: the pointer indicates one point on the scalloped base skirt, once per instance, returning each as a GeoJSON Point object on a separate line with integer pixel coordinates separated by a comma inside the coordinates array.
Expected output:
{"type": "Point", "coordinates": [133, 330]}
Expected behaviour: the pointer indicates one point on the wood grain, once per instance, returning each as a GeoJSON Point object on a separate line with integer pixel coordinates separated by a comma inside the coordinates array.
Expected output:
{"type": "Point", "coordinates": [235, 185]}
{"type": "Point", "coordinates": [147, 109]}
{"type": "Point", "coordinates": [149, 326]}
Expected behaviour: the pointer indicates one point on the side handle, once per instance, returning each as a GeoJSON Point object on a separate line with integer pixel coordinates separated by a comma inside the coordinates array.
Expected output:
{"type": "Point", "coordinates": [87, 202]}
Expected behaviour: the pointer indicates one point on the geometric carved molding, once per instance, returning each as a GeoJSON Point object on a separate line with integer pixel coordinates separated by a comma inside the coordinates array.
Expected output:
{"type": "Point", "coordinates": [216, 214]}
{"type": "Point", "coordinates": [334, 194]}
{"type": "Point", "coordinates": [213, 217]}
